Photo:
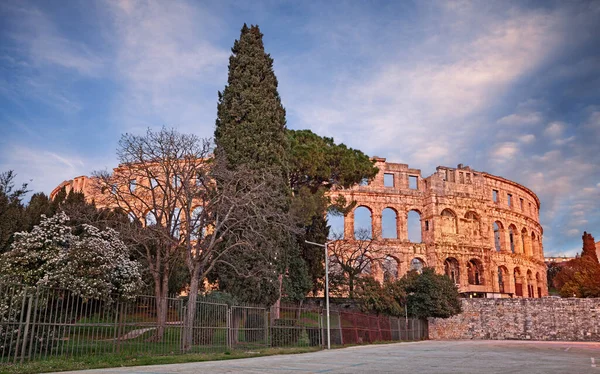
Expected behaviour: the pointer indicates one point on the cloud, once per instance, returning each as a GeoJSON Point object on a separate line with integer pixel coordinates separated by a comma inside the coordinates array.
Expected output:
{"type": "Point", "coordinates": [164, 60]}
{"type": "Point", "coordinates": [45, 45]}
{"type": "Point", "coordinates": [527, 138]}
{"type": "Point", "coordinates": [520, 119]}
{"type": "Point", "coordinates": [505, 151]}
{"type": "Point", "coordinates": [554, 129]}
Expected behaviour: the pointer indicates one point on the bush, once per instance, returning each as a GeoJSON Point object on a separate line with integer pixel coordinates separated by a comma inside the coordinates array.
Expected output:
{"type": "Point", "coordinates": [284, 332]}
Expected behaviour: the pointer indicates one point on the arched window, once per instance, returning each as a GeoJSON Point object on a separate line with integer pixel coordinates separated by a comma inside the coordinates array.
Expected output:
{"type": "Point", "coordinates": [511, 236]}
{"type": "Point", "coordinates": [388, 224]}
{"type": "Point", "coordinates": [475, 272]}
{"type": "Point", "coordinates": [472, 228]}
{"type": "Point", "coordinates": [414, 226]}
{"type": "Point", "coordinates": [335, 221]}
{"type": "Point", "coordinates": [448, 222]}
{"type": "Point", "coordinates": [497, 237]}
{"type": "Point", "coordinates": [518, 282]}
{"type": "Point", "coordinates": [151, 218]}
{"type": "Point", "coordinates": [363, 224]}
{"type": "Point", "coordinates": [417, 265]}
{"type": "Point", "coordinates": [451, 269]}
{"type": "Point", "coordinates": [390, 269]}
{"type": "Point", "coordinates": [534, 245]}
{"type": "Point", "coordinates": [502, 279]}
{"type": "Point", "coordinates": [197, 225]}
{"type": "Point", "coordinates": [176, 222]}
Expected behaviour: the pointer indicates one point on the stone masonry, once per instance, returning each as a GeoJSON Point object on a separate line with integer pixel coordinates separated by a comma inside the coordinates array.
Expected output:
{"type": "Point", "coordinates": [481, 230]}
{"type": "Point", "coordinates": [524, 319]}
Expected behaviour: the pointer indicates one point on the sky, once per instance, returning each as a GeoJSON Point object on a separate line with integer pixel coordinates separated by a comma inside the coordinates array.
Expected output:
{"type": "Point", "coordinates": [511, 88]}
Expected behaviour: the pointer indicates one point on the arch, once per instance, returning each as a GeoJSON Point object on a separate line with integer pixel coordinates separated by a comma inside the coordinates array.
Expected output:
{"type": "Point", "coordinates": [389, 266]}
{"type": "Point", "coordinates": [472, 224]}
{"type": "Point", "coordinates": [512, 232]}
{"type": "Point", "coordinates": [538, 284]}
{"type": "Point", "coordinates": [364, 262]}
{"type": "Point", "coordinates": [414, 226]}
{"type": "Point", "coordinates": [534, 245]}
{"type": "Point", "coordinates": [417, 264]}
{"type": "Point", "coordinates": [132, 217]}
{"type": "Point", "coordinates": [363, 223]}
{"type": "Point", "coordinates": [335, 221]}
{"type": "Point", "coordinates": [197, 225]}
{"type": "Point", "coordinates": [449, 225]}
{"type": "Point", "coordinates": [389, 227]}
{"type": "Point", "coordinates": [518, 281]}
{"type": "Point", "coordinates": [151, 218]}
{"type": "Point", "coordinates": [176, 222]}
{"type": "Point", "coordinates": [502, 279]}
{"type": "Point", "coordinates": [498, 229]}
{"type": "Point", "coordinates": [525, 242]}
{"type": "Point", "coordinates": [530, 287]}
{"type": "Point", "coordinates": [475, 272]}
{"type": "Point", "coordinates": [452, 269]}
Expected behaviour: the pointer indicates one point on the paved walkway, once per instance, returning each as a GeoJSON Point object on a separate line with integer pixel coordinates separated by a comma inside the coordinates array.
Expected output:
{"type": "Point", "coordinates": [420, 357]}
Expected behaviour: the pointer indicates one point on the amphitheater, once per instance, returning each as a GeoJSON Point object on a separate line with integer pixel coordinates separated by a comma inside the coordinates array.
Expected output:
{"type": "Point", "coordinates": [481, 230]}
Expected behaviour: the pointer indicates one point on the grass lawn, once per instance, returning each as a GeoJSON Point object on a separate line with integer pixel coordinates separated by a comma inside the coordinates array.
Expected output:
{"type": "Point", "coordinates": [107, 361]}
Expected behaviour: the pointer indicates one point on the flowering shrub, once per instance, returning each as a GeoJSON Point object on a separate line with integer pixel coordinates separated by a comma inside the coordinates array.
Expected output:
{"type": "Point", "coordinates": [94, 264]}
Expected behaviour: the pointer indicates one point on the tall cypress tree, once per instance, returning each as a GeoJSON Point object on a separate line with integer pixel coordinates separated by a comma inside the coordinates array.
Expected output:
{"type": "Point", "coordinates": [251, 135]}
{"type": "Point", "coordinates": [250, 127]}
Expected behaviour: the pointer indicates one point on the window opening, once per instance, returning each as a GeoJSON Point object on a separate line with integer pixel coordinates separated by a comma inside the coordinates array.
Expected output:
{"type": "Point", "coordinates": [413, 182]}
{"type": "Point", "coordinates": [388, 180]}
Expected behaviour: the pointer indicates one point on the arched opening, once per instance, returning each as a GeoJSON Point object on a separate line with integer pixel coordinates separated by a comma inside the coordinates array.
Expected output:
{"type": "Point", "coordinates": [417, 264]}
{"type": "Point", "coordinates": [390, 269]}
{"type": "Point", "coordinates": [502, 279]}
{"type": "Point", "coordinates": [363, 262]}
{"type": "Point", "coordinates": [452, 270]}
{"type": "Point", "coordinates": [538, 283]}
{"type": "Point", "coordinates": [475, 272]}
{"type": "Point", "coordinates": [530, 286]}
{"type": "Point", "coordinates": [518, 282]}
{"type": "Point", "coordinates": [448, 222]}
{"type": "Point", "coordinates": [511, 237]}
{"type": "Point", "coordinates": [176, 223]}
{"type": "Point", "coordinates": [472, 225]}
{"type": "Point", "coordinates": [363, 223]}
{"type": "Point", "coordinates": [498, 236]}
{"type": "Point", "coordinates": [534, 245]}
{"type": "Point", "coordinates": [335, 221]}
{"type": "Point", "coordinates": [414, 226]}
{"type": "Point", "coordinates": [389, 224]}
{"type": "Point", "coordinates": [151, 218]}
{"type": "Point", "coordinates": [197, 225]}
{"type": "Point", "coordinates": [524, 242]}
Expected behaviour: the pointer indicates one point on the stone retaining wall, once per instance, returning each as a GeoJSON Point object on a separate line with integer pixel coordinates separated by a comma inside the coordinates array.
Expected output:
{"type": "Point", "coordinates": [522, 319]}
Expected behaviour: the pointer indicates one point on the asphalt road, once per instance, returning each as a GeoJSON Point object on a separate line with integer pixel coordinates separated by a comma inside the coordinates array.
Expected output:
{"type": "Point", "coordinates": [419, 357]}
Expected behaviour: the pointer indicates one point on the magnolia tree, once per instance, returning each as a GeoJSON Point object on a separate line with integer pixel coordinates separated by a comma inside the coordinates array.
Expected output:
{"type": "Point", "coordinates": [93, 264]}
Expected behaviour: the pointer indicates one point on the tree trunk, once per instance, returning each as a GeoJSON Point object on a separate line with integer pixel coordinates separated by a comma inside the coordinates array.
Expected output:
{"type": "Point", "coordinates": [161, 288]}
{"type": "Point", "coordinates": [190, 319]}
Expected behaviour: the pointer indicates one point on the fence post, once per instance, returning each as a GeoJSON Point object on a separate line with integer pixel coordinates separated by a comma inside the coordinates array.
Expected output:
{"type": "Point", "coordinates": [27, 320]}
{"type": "Point", "coordinates": [267, 343]}
{"type": "Point", "coordinates": [228, 332]}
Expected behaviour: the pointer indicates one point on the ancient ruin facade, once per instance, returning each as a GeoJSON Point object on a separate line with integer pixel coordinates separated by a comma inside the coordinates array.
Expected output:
{"type": "Point", "coordinates": [481, 230]}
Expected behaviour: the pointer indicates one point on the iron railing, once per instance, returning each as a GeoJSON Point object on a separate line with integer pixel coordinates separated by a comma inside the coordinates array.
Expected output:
{"type": "Point", "coordinates": [40, 323]}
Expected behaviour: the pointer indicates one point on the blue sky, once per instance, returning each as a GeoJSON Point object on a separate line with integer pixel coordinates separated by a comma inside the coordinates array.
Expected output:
{"type": "Point", "coordinates": [510, 88]}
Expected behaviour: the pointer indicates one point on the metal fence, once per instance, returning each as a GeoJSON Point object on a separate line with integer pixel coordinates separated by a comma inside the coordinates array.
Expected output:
{"type": "Point", "coordinates": [38, 323]}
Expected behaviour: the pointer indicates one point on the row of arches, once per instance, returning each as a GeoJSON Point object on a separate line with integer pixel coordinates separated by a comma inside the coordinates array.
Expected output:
{"type": "Point", "coordinates": [511, 240]}
{"type": "Point", "coordinates": [176, 221]}
{"type": "Point", "coordinates": [514, 240]}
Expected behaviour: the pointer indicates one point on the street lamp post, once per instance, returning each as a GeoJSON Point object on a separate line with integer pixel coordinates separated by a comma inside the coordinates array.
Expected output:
{"type": "Point", "coordinates": [326, 287]}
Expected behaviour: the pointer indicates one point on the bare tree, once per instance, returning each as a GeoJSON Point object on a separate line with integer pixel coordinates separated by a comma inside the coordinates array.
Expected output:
{"type": "Point", "coordinates": [351, 259]}
{"type": "Point", "coordinates": [167, 182]}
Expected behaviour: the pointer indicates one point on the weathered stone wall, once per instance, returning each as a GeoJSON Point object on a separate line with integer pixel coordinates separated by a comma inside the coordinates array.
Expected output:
{"type": "Point", "coordinates": [523, 319]}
